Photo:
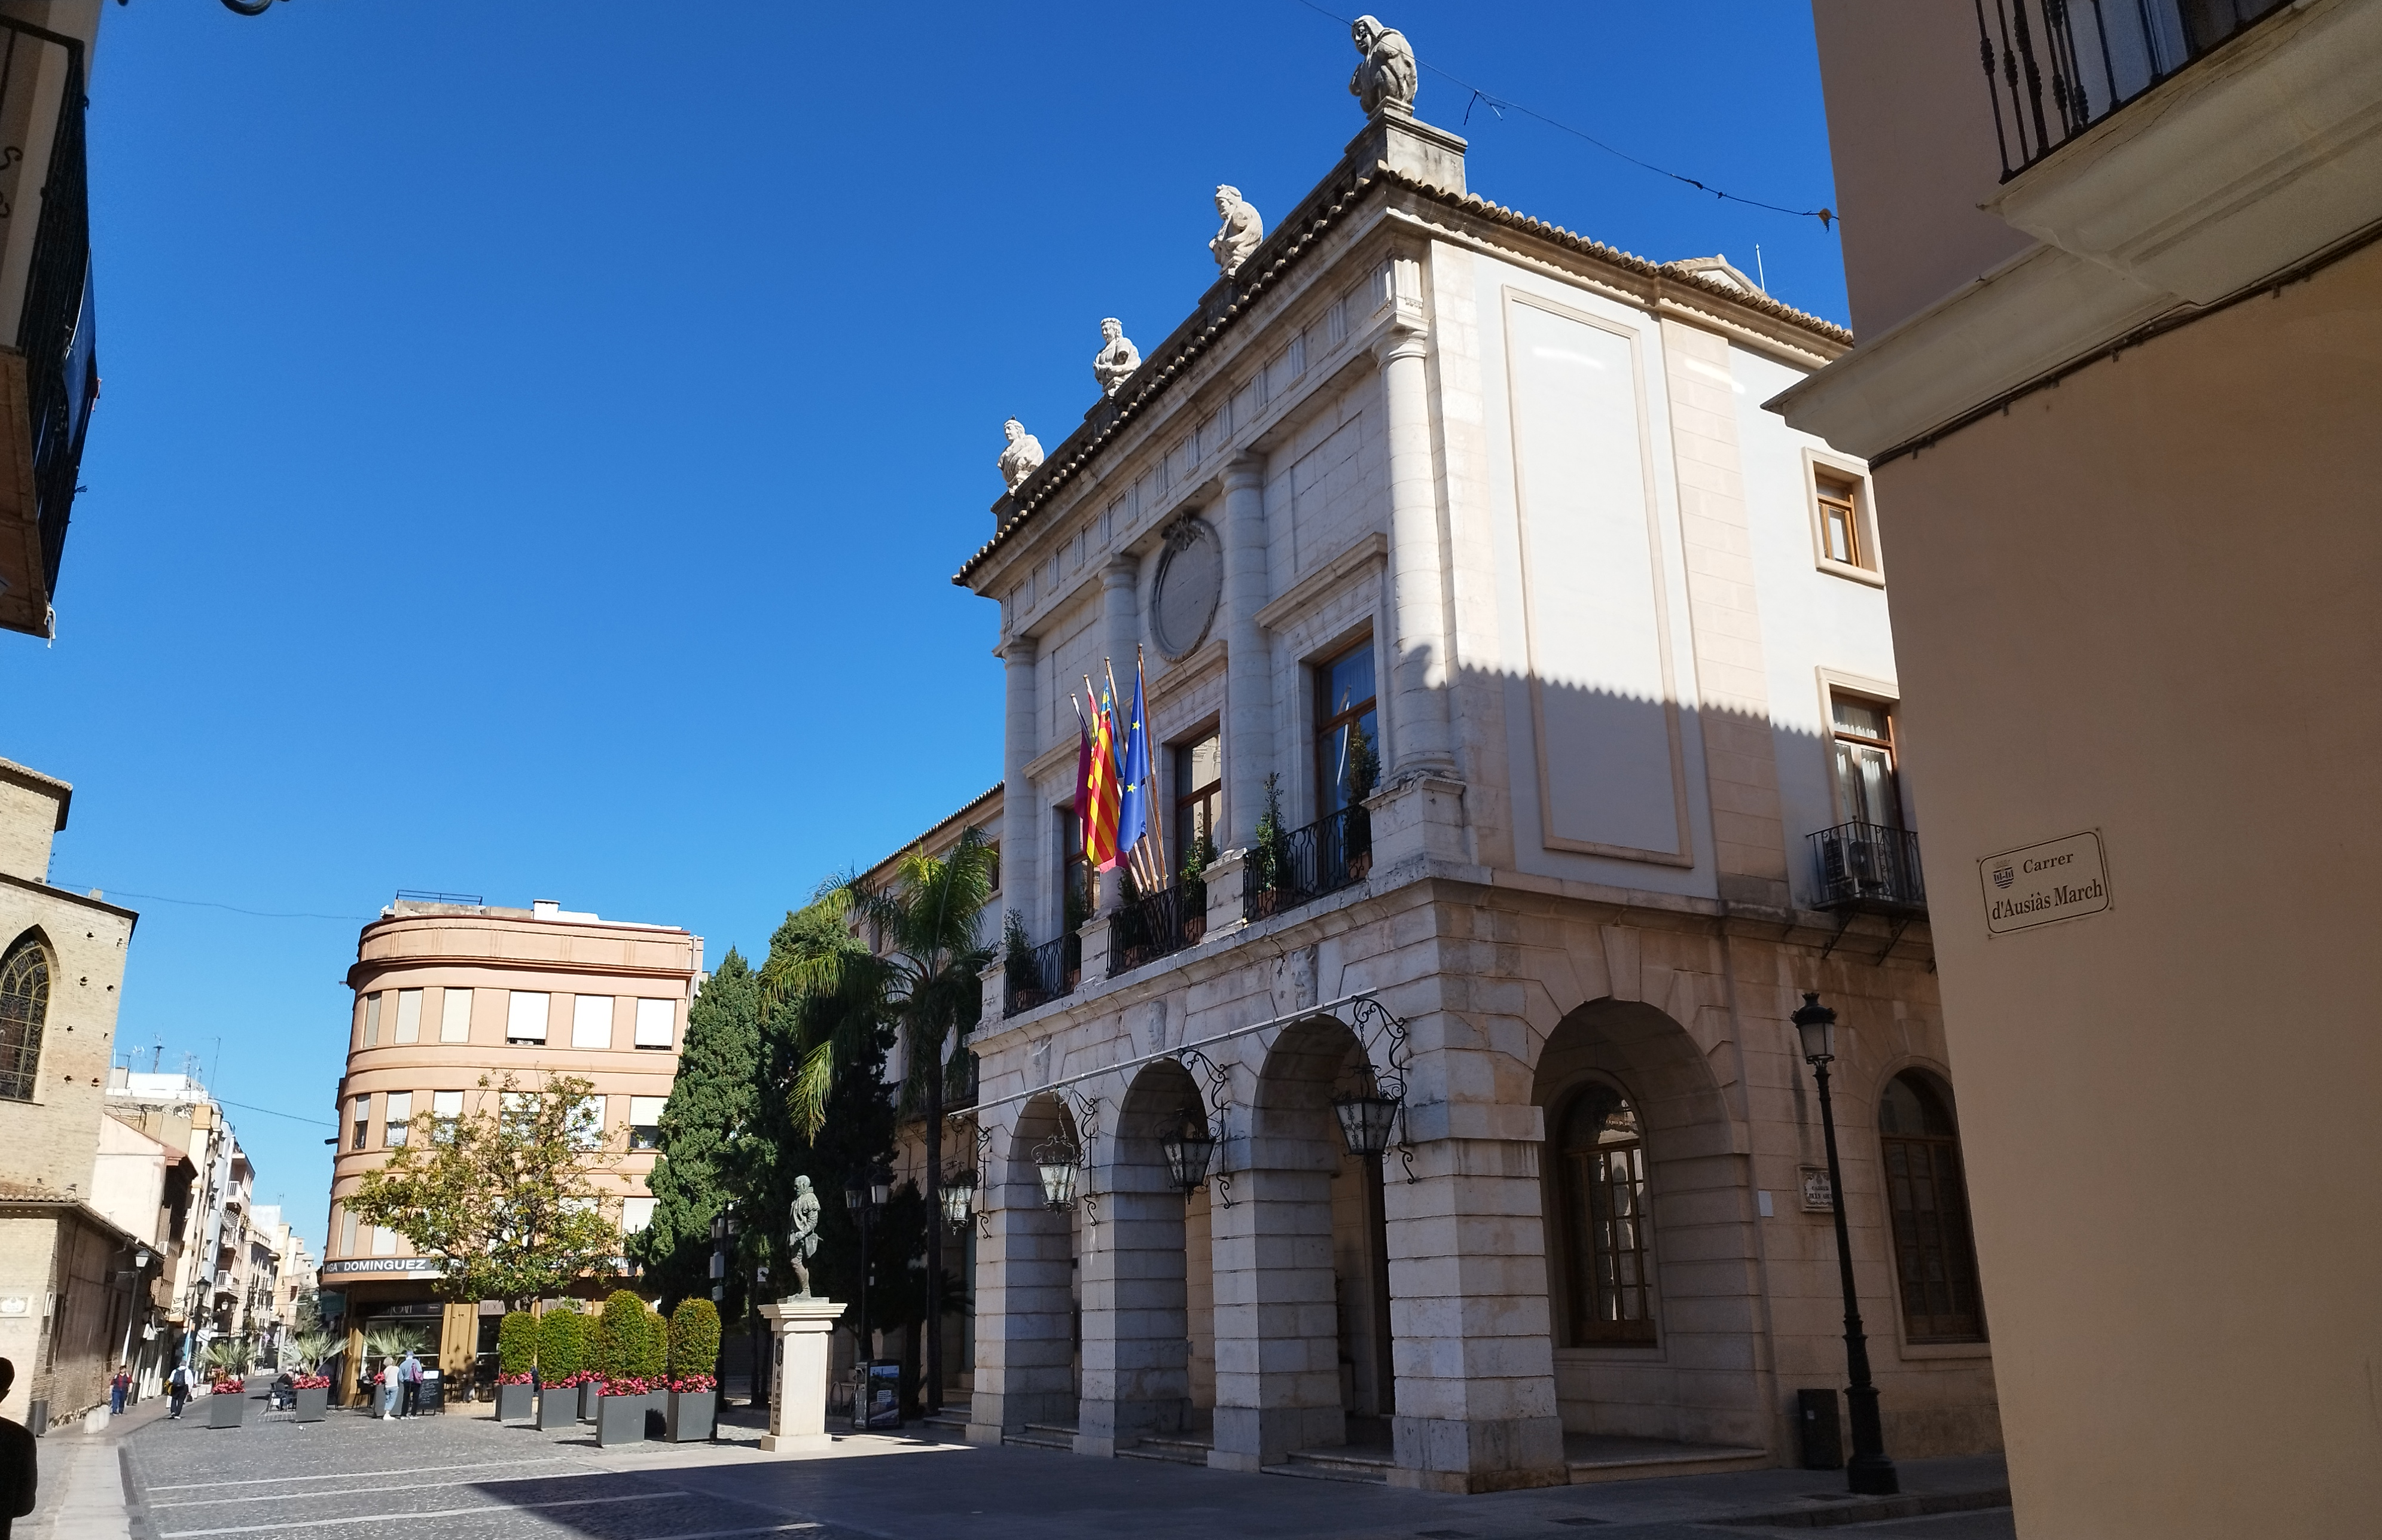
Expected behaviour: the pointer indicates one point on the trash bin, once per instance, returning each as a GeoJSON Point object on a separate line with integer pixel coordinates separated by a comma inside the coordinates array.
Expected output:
{"type": "Point", "coordinates": [1823, 1438]}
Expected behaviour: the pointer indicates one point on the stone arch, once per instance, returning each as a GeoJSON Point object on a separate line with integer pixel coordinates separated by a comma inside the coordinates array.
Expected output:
{"type": "Point", "coordinates": [1695, 1380]}
{"type": "Point", "coordinates": [1029, 1321]}
{"type": "Point", "coordinates": [1136, 1282]}
{"type": "Point", "coordinates": [28, 976]}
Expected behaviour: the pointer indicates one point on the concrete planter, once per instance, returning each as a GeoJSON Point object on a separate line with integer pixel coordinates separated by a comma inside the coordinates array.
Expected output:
{"type": "Point", "coordinates": [514, 1403]}
{"type": "Point", "coordinates": [590, 1392]}
{"type": "Point", "coordinates": [691, 1415]}
{"type": "Point", "coordinates": [558, 1407]}
{"type": "Point", "coordinates": [620, 1420]}
{"type": "Point", "coordinates": [309, 1403]}
{"type": "Point", "coordinates": [227, 1412]}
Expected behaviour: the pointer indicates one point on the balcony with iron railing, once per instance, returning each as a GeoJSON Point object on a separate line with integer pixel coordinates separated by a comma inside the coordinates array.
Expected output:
{"type": "Point", "coordinates": [1302, 866]}
{"type": "Point", "coordinates": [959, 1088]}
{"type": "Point", "coordinates": [1156, 925]}
{"type": "Point", "coordinates": [1037, 977]}
{"type": "Point", "coordinates": [1868, 866]}
{"type": "Point", "coordinates": [2055, 68]}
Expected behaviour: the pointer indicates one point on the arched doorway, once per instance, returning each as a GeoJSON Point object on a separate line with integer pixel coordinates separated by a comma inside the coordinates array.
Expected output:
{"type": "Point", "coordinates": [1029, 1299]}
{"type": "Point", "coordinates": [1139, 1333]}
{"type": "Point", "coordinates": [1302, 1267]}
{"type": "Point", "coordinates": [1653, 1266]}
{"type": "Point", "coordinates": [1927, 1203]}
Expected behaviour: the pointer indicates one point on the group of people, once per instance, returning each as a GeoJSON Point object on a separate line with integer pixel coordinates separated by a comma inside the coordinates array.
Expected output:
{"type": "Point", "coordinates": [399, 1387]}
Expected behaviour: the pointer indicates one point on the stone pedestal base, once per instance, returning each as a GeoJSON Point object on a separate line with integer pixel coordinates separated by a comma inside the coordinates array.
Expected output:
{"type": "Point", "coordinates": [798, 1343]}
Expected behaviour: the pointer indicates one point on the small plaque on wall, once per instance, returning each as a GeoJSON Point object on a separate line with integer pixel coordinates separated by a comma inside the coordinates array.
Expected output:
{"type": "Point", "coordinates": [1819, 1196]}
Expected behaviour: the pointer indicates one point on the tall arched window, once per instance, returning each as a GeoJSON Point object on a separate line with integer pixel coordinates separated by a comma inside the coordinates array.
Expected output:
{"type": "Point", "coordinates": [1928, 1199]}
{"type": "Point", "coordinates": [24, 1006]}
{"type": "Point", "coordinates": [1603, 1182]}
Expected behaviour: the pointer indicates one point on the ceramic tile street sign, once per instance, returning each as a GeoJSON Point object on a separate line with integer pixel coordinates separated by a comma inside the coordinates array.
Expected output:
{"type": "Point", "coordinates": [2037, 885]}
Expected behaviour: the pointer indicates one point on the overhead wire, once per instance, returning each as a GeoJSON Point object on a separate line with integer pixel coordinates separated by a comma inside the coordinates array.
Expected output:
{"type": "Point", "coordinates": [210, 904]}
{"type": "Point", "coordinates": [1502, 104]}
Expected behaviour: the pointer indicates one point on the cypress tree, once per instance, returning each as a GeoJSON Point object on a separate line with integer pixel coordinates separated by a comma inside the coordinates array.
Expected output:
{"type": "Point", "coordinates": [712, 1105]}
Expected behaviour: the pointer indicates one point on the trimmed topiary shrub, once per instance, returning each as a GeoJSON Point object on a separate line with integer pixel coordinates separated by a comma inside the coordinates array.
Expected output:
{"type": "Point", "coordinates": [516, 1348]}
{"type": "Point", "coordinates": [695, 1345]}
{"type": "Point", "coordinates": [561, 1347]}
{"type": "Point", "coordinates": [652, 1359]}
{"type": "Point", "coordinates": [623, 1353]}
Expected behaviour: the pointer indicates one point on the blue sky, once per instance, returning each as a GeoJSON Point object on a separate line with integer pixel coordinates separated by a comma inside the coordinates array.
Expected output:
{"type": "Point", "coordinates": [536, 439]}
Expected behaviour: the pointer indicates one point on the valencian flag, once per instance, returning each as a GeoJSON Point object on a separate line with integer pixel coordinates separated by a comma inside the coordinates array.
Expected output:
{"type": "Point", "coordinates": [1083, 781]}
{"type": "Point", "coordinates": [1099, 795]}
{"type": "Point", "coordinates": [1133, 812]}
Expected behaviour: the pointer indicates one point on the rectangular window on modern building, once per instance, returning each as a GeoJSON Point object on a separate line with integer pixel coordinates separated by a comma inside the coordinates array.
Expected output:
{"type": "Point", "coordinates": [657, 1020]}
{"type": "Point", "coordinates": [372, 1019]}
{"type": "Point", "coordinates": [525, 1016]}
{"type": "Point", "coordinates": [409, 1016]}
{"type": "Point", "coordinates": [591, 1021]}
{"type": "Point", "coordinates": [645, 1122]}
{"type": "Point", "coordinates": [447, 1106]}
{"type": "Point", "coordinates": [347, 1233]}
{"type": "Point", "coordinates": [362, 1108]}
{"type": "Point", "coordinates": [587, 1122]}
{"type": "Point", "coordinates": [516, 1109]}
{"type": "Point", "coordinates": [397, 1118]}
{"type": "Point", "coordinates": [383, 1241]}
{"type": "Point", "coordinates": [636, 1215]}
{"type": "Point", "coordinates": [455, 1016]}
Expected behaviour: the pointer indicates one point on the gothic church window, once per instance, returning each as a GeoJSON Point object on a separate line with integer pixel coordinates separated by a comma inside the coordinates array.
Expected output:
{"type": "Point", "coordinates": [24, 1011]}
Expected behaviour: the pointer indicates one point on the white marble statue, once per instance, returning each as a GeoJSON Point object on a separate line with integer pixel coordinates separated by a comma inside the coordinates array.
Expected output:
{"type": "Point", "coordinates": [1021, 458]}
{"type": "Point", "coordinates": [801, 1239]}
{"type": "Point", "coordinates": [1388, 77]}
{"type": "Point", "coordinates": [1242, 230]}
{"type": "Point", "coordinates": [1117, 359]}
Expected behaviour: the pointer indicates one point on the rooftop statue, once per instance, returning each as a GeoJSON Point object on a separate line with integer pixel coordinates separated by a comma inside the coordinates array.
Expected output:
{"type": "Point", "coordinates": [1117, 359]}
{"type": "Point", "coordinates": [1242, 231]}
{"type": "Point", "coordinates": [1021, 458]}
{"type": "Point", "coordinates": [1388, 76]}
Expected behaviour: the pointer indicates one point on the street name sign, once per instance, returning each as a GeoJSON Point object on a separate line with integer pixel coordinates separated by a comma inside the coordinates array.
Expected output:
{"type": "Point", "coordinates": [2037, 885]}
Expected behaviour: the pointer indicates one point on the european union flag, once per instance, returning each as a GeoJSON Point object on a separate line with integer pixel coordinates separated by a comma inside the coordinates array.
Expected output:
{"type": "Point", "coordinates": [1133, 813]}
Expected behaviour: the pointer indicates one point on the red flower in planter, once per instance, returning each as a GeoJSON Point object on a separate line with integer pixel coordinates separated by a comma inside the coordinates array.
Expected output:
{"type": "Point", "coordinates": [228, 1386]}
{"type": "Point", "coordinates": [686, 1385]}
{"type": "Point", "coordinates": [310, 1382]}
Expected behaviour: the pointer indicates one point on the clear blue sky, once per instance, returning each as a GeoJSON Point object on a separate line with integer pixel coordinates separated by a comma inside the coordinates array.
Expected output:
{"type": "Point", "coordinates": [536, 439]}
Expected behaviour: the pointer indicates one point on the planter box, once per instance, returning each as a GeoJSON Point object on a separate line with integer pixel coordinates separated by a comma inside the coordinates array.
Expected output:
{"type": "Point", "coordinates": [620, 1420]}
{"type": "Point", "coordinates": [514, 1403]}
{"type": "Point", "coordinates": [227, 1412]}
{"type": "Point", "coordinates": [310, 1404]}
{"type": "Point", "coordinates": [590, 1392]}
{"type": "Point", "coordinates": [558, 1407]}
{"type": "Point", "coordinates": [691, 1415]}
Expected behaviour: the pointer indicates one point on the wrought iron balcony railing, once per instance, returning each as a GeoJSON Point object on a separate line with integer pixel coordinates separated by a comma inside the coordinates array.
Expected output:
{"type": "Point", "coordinates": [1045, 974]}
{"type": "Point", "coordinates": [1156, 924]}
{"type": "Point", "coordinates": [2055, 68]}
{"type": "Point", "coordinates": [1305, 864]}
{"type": "Point", "coordinates": [1868, 866]}
{"type": "Point", "coordinates": [959, 1088]}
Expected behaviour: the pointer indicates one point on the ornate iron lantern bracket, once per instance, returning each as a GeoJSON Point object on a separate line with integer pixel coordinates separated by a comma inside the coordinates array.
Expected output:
{"type": "Point", "coordinates": [1367, 1115]}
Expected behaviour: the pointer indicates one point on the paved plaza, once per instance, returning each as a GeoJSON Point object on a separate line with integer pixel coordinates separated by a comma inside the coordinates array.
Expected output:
{"type": "Point", "coordinates": [462, 1476]}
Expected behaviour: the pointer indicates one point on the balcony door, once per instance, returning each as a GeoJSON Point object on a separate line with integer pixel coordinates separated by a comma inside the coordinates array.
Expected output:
{"type": "Point", "coordinates": [1866, 788]}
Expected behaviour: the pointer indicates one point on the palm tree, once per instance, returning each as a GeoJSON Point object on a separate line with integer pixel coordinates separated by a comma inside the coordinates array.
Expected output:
{"type": "Point", "coordinates": [926, 981]}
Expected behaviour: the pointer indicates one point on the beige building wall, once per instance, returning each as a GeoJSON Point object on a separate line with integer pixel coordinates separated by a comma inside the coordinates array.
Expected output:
{"type": "Point", "coordinates": [2127, 483]}
{"type": "Point", "coordinates": [414, 1033]}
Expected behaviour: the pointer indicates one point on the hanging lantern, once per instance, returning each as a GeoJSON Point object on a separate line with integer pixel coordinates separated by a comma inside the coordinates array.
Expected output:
{"type": "Point", "coordinates": [1366, 1117]}
{"type": "Point", "coordinates": [1056, 1159]}
{"type": "Point", "coordinates": [1189, 1153]}
{"type": "Point", "coordinates": [959, 1198]}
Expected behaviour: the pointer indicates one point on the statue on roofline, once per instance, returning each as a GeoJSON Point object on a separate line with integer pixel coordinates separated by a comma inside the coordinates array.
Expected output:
{"type": "Point", "coordinates": [1021, 458]}
{"type": "Point", "coordinates": [1117, 359]}
{"type": "Point", "coordinates": [1388, 76]}
{"type": "Point", "coordinates": [1242, 231]}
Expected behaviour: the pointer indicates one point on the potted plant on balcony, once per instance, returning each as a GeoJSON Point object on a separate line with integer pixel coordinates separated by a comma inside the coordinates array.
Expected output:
{"type": "Point", "coordinates": [561, 1354]}
{"type": "Point", "coordinates": [1268, 861]}
{"type": "Point", "coordinates": [693, 1361]}
{"type": "Point", "coordinates": [311, 1387]}
{"type": "Point", "coordinates": [1196, 862]}
{"type": "Point", "coordinates": [629, 1358]}
{"type": "Point", "coordinates": [1356, 830]}
{"type": "Point", "coordinates": [516, 1366]}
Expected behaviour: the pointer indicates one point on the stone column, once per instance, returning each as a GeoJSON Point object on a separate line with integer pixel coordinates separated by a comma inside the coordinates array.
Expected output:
{"type": "Point", "coordinates": [1136, 1335]}
{"type": "Point", "coordinates": [1025, 1306]}
{"type": "Point", "coordinates": [1023, 857]}
{"type": "Point", "coordinates": [798, 1351]}
{"type": "Point", "coordinates": [1249, 662]}
{"type": "Point", "coordinates": [1418, 727]}
{"type": "Point", "coordinates": [1277, 1321]}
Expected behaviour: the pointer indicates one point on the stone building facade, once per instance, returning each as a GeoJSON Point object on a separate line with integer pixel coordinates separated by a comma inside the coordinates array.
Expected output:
{"type": "Point", "coordinates": [1501, 504]}
{"type": "Point", "coordinates": [447, 992]}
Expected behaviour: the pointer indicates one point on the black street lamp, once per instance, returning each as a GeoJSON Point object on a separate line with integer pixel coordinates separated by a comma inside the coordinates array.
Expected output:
{"type": "Point", "coordinates": [866, 1196]}
{"type": "Point", "coordinates": [1869, 1472]}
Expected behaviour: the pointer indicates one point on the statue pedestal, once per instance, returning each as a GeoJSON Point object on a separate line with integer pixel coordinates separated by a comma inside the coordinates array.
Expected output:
{"type": "Point", "coordinates": [798, 1339]}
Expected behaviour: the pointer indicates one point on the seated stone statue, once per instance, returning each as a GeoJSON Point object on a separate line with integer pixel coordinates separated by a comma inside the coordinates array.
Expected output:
{"type": "Point", "coordinates": [1241, 233]}
{"type": "Point", "coordinates": [1117, 359]}
{"type": "Point", "coordinates": [1387, 76]}
{"type": "Point", "coordinates": [1021, 458]}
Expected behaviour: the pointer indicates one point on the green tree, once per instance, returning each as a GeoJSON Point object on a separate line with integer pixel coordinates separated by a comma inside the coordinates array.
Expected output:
{"type": "Point", "coordinates": [503, 1199]}
{"type": "Point", "coordinates": [711, 1107]}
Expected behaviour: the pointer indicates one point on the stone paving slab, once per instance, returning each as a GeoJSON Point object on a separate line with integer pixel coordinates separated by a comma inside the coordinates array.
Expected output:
{"type": "Point", "coordinates": [461, 1477]}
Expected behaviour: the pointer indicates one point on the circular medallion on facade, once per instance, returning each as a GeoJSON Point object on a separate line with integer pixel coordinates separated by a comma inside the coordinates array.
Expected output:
{"type": "Point", "coordinates": [1190, 581]}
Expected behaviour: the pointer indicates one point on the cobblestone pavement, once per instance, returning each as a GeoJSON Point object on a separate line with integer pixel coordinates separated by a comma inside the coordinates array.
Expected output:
{"type": "Point", "coordinates": [465, 1477]}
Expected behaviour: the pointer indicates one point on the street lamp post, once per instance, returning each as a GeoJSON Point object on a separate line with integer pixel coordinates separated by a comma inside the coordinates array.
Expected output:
{"type": "Point", "coordinates": [1869, 1472]}
{"type": "Point", "coordinates": [867, 1196]}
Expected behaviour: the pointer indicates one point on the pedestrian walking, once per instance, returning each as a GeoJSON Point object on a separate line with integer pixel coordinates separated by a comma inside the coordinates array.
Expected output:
{"type": "Point", "coordinates": [388, 1384]}
{"type": "Point", "coordinates": [20, 1469]}
{"type": "Point", "coordinates": [117, 1388]}
{"type": "Point", "coordinates": [409, 1374]}
{"type": "Point", "coordinates": [177, 1390]}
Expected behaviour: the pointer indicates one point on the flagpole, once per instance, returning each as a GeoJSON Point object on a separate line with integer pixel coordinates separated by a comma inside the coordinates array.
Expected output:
{"type": "Point", "coordinates": [1157, 824]}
